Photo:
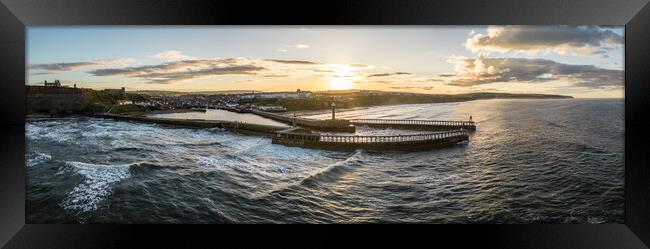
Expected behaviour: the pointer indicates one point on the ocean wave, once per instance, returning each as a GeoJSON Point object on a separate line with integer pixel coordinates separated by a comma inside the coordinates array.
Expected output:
{"type": "Point", "coordinates": [123, 144]}
{"type": "Point", "coordinates": [335, 169]}
{"type": "Point", "coordinates": [251, 147]}
{"type": "Point", "coordinates": [208, 161]}
{"type": "Point", "coordinates": [327, 174]}
{"type": "Point", "coordinates": [286, 154]}
{"type": "Point", "coordinates": [266, 161]}
{"type": "Point", "coordinates": [52, 131]}
{"type": "Point", "coordinates": [97, 185]}
{"type": "Point", "coordinates": [228, 162]}
{"type": "Point", "coordinates": [39, 158]}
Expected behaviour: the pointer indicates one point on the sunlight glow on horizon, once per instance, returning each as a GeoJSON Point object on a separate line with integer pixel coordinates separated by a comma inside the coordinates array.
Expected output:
{"type": "Point", "coordinates": [342, 77]}
{"type": "Point", "coordinates": [341, 84]}
{"type": "Point", "coordinates": [587, 63]}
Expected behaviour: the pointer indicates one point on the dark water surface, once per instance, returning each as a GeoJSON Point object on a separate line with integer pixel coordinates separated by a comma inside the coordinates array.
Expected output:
{"type": "Point", "coordinates": [530, 161]}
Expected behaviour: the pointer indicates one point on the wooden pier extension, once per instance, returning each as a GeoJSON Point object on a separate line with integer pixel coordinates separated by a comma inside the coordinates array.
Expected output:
{"type": "Point", "coordinates": [415, 124]}
{"type": "Point", "coordinates": [350, 143]}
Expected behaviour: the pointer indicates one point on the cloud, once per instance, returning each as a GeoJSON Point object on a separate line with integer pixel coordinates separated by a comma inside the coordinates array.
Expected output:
{"type": "Point", "coordinates": [293, 62]}
{"type": "Point", "coordinates": [378, 81]}
{"type": "Point", "coordinates": [324, 70]}
{"type": "Point", "coordinates": [564, 40]}
{"type": "Point", "coordinates": [177, 71]}
{"type": "Point", "coordinates": [286, 48]}
{"type": "Point", "coordinates": [172, 55]}
{"type": "Point", "coordinates": [481, 70]}
{"type": "Point", "coordinates": [387, 74]}
{"type": "Point", "coordinates": [426, 88]}
{"type": "Point", "coordinates": [430, 80]}
{"type": "Point", "coordinates": [276, 75]}
{"type": "Point", "coordinates": [74, 66]}
{"type": "Point", "coordinates": [42, 73]}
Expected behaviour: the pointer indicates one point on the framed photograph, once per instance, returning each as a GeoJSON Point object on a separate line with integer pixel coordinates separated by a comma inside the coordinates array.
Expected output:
{"type": "Point", "coordinates": [467, 115]}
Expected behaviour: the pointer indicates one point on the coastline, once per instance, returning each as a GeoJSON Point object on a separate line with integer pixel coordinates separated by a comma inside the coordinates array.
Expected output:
{"type": "Point", "coordinates": [171, 111]}
{"type": "Point", "coordinates": [299, 113]}
{"type": "Point", "coordinates": [43, 116]}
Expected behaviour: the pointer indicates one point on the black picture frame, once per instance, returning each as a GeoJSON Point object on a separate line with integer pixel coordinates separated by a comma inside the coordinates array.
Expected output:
{"type": "Point", "coordinates": [15, 15]}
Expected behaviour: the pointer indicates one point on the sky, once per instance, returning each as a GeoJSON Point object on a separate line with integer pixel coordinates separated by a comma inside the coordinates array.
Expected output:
{"type": "Point", "coordinates": [581, 61]}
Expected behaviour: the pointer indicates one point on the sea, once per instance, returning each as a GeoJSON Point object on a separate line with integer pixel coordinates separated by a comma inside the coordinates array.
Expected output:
{"type": "Point", "coordinates": [529, 161]}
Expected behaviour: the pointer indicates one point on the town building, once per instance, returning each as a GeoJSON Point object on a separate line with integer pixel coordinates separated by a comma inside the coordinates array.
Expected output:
{"type": "Point", "coordinates": [298, 94]}
{"type": "Point", "coordinates": [56, 83]}
{"type": "Point", "coordinates": [115, 91]}
{"type": "Point", "coordinates": [123, 102]}
{"type": "Point", "coordinates": [272, 108]}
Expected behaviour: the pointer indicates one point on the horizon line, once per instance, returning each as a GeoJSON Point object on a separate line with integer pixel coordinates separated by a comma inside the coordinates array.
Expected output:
{"type": "Point", "coordinates": [342, 90]}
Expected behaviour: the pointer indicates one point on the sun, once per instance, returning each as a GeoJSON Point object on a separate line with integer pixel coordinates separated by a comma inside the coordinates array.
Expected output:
{"type": "Point", "coordinates": [342, 78]}
{"type": "Point", "coordinates": [341, 83]}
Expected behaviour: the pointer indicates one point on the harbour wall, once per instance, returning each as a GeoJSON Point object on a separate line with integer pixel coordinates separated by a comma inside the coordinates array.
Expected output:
{"type": "Point", "coordinates": [340, 125]}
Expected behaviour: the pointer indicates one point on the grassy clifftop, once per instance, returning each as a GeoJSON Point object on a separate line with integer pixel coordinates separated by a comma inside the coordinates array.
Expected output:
{"type": "Point", "coordinates": [130, 108]}
{"type": "Point", "coordinates": [89, 102]}
{"type": "Point", "coordinates": [104, 101]}
{"type": "Point", "coordinates": [97, 99]}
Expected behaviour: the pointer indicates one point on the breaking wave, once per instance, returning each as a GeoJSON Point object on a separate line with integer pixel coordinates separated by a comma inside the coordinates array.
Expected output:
{"type": "Point", "coordinates": [39, 158]}
{"type": "Point", "coordinates": [99, 180]}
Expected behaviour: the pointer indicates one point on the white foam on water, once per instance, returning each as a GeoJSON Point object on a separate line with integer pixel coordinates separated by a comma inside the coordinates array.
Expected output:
{"type": "Point", "coordinates": [285, 161]}
{"type": "Point", "coordinates": [246, 146]}
{"type": "Point", "coordinates": [97, 185]}
{"type": "Point", "coordinates": [595, 220]}
{"type": "Point", "coordinates": [49, 130]}
{"type": "Point", "coordinates": [314, 174]}
{"type": "Point", "coordinates": [354, 156]}
{"type": "Point", "coordinates": [225, 163]}
{"type": "Point", "coordinates": [39, 158]}
{"type": "Point", "coordinates": [207, 161]}
{"type": "Point", "coordinates": [98, 134]}
{"type": "Point", "coordinates": [125, 144]}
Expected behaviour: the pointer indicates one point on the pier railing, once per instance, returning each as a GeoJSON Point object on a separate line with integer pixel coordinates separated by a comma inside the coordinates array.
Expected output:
{"type": "Point", "coordinates": [393, 138]}
{"type": "Point", "coordinates": [411, 122]}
